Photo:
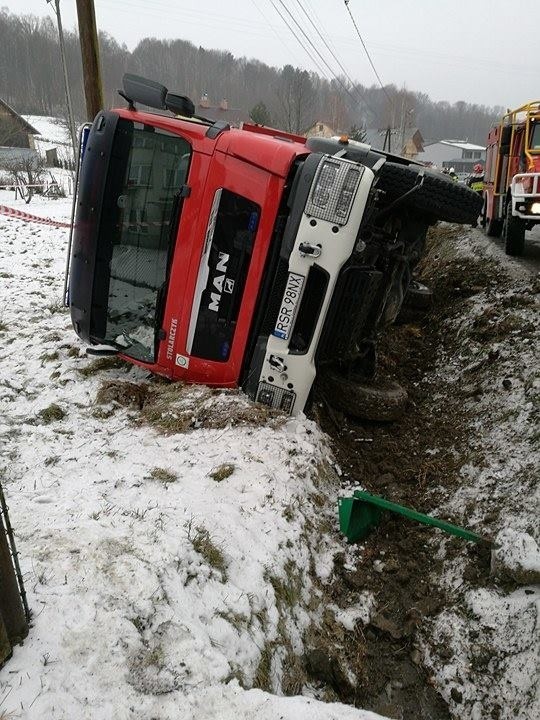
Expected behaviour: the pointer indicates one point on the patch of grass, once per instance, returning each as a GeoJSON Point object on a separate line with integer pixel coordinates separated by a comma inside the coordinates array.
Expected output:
{"type": "Point", "coordinates": [155, 657]}
{"type": "Point", "coordinates": [162, 475]}
{"type": "Point", "coordinates": [490, 326]}
{"type": "Point", "coordinates": [211, 553]}
{"type": "Point", "coordinates": [288, 590]}
{"type": "Point", "coordinates": [237, 620]}
{"type": "Point", "coordinates": [57, 307]}
{"type": "Point", "coordinates": [73, 351]}
{"type": "Point", "coordinates": [177, 408]}
{"type": "Point", "coordinates": [3, 326]}
{"type": "Point", "coordinates": [126, 394]}
{"type": "Point", "coordinates": [263, 678]}
{"type": "Point", "coordinates": [100, 364]}
{"type": "Point", "coordinates": [222, 472]}
{"type": "Point", "coordinates": [52, 413]}
{"type": "Point", "coordinates": [102, 413]}
{"type": "Point", "coordinates": [49, 357]}
{"type": "Point", "coordinates": [140, 623]}
{"type": "Point", "coordinates": [236, 674]}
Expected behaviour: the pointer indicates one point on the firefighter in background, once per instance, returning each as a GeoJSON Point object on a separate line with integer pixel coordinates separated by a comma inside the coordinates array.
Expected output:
{"type": "Point", "coordinates": [476, 179]}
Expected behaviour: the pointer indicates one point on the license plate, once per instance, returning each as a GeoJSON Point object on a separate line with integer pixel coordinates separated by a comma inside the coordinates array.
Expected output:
{"type": "Point", "coordinates": [289, 304]}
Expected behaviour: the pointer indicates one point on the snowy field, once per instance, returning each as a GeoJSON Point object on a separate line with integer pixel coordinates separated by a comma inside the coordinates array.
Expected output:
{"type": "Point", "coordinates": [177, 552]}
{"type": "Point", "coordinates": [167, 573]}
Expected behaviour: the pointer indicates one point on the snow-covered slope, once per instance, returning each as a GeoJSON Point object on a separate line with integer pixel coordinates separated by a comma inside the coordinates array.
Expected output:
{"type": "Point", "coordinates": [161, 582]}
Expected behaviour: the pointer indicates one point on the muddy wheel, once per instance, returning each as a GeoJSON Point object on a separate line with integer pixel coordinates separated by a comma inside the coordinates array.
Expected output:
{"type": "Point", "coordinates": [418, 296]}
{"type": "Point", "coordinates": [439, 197]}
{"type": "Point", "coordinates": [494, 227]}
{"type": "Point", "coordinates": [513, 232]}
{"type": "Point", "coordinates": [375, 401]}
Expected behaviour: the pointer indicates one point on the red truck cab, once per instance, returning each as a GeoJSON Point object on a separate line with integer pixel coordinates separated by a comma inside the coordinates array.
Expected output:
{"type": "Point", "coordinates": [241, 256]}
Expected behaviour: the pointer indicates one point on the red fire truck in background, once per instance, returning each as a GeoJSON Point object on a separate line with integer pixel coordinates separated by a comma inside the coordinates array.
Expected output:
{"type": "Point", "coordinates": [512, 177]}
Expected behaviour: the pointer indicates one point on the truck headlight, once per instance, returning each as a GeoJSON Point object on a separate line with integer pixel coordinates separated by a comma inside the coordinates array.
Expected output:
{"type": "Point", "coordinates": [348, 191]}
{"type": "Point", "coordinates": [535, 208]}
{"type": "Point", "coordinates": [334, 190]}
{"type": "Point", "coordinates": [324, 183]}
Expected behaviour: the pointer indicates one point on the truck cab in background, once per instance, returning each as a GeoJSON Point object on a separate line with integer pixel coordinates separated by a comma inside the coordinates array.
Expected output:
{"type": "Point", "coordinates": [512, 177]}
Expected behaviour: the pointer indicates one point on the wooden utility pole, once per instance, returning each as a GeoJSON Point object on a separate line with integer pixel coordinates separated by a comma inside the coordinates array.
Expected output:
{"type": "Point", "coordinates": [93, 89]}
{"type": "Point", "coordinates": [14, 612]}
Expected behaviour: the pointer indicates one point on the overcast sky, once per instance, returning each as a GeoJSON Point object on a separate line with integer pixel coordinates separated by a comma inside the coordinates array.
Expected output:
{"type": "Point", "coordinates": [483, 51]}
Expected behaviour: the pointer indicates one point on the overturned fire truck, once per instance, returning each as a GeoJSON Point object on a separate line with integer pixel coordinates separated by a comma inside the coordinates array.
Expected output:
{"type": "Point", "coordinates": [243, 257]}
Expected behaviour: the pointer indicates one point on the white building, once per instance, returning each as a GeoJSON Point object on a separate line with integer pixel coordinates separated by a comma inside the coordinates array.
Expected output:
{"type": "Point", "coordinates": [459, 154]}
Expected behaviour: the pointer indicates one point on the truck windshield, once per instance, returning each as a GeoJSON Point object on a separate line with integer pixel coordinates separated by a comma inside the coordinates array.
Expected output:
{"type": "Point", "coordinates": [147, 171]}
{"type": "Point", "coordinates": [535, 136]}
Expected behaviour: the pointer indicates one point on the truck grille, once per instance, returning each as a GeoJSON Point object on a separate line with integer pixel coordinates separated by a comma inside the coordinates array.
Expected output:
{"type": "Point", "coordinates": [352, 313]}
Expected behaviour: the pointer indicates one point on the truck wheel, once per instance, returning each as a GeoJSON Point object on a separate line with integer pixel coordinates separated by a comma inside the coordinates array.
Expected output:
{"type": "Point", "coordinates": [418, 296]}
{"type": "Point", "coordinates": [494, 227]}
{"type": "Point", "coordinates": [438, 197]}
{"type": "Point", "coordinates": [513, 232]}
{"type": "Point", "coordinates": [373, 401]}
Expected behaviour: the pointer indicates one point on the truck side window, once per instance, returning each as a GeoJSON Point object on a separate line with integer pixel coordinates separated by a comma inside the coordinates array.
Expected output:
{"type": "Point", "coordinates": [226, 263]}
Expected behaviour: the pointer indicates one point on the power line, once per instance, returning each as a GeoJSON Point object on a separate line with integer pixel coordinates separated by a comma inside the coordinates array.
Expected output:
{"type": "Point", "coordinates": [367, 54]}
{"type": "Point", "coordinates": [313, 60]}
{"type": "Point", "coordinates": [315, 49]}
{"type": "Point", "coordinates": [332, 53]}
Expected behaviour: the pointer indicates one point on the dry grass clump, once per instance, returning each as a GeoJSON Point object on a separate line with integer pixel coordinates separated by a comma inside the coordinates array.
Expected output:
{"type": "Point", "coordinates": [211, 553]}
{"type": "Point", "coordinates": [102, 363]}
{"type": "Point", "coordinates": [163, 475]}
{"type": "Point", "coordinates": [222, 472]}
{"type": "Point", "coordinates": [177, 408]}
{"type": "Point", "coordinates": [51, 414]}
{"type": "Point", "coordinates": [125, 394]}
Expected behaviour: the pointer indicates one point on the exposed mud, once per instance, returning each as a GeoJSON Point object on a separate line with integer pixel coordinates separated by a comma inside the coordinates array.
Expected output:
{"type": "Point", "coordinates": [416, 461]}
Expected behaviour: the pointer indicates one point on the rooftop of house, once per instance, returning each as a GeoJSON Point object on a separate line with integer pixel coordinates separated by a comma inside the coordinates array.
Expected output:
{"type": "Point", "coordinates": [25, 125]}
{"type": "Point", "coordinates": [460, 144]}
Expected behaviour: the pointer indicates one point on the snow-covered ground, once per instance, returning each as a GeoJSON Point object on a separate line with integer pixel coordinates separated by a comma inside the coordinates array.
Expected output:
{"type": "Point", "coordinates": [175, 559]}
{"type": "Point", "coordinates": [162, 584]}
{"type": "Point", "coordinates": [485, 648]}
{"type": "Point", "coordinates": [53, 133]}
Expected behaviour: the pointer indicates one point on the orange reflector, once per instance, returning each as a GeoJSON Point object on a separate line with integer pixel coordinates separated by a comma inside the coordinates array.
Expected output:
{"type": "Point", "coordinates": [344, 139]}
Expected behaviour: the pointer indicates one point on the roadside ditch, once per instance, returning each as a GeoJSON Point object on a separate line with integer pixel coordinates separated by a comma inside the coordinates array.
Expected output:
{"type": "Point", "coordinates": [460, 364]}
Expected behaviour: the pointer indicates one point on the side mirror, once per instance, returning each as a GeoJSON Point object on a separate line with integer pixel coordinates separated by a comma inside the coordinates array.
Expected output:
{"type": "Point", "coordinates": [101, 350]}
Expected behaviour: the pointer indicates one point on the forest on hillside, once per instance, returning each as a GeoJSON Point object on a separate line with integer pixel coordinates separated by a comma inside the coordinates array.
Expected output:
{"type": "Point", "coordinates": [290, 98]}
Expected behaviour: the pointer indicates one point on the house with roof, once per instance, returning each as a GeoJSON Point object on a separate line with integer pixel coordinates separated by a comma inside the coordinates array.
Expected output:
{"type": "Point", "coordinates": [459, 154]}
{"type": "Point", "coordinates": [321, 129]}
{"type": "Point", "coordinates": [400, 141]}
{"type": "Point", "coordinates": [222, 111]}
{"type": "Point", "coordinates": [16, 136]}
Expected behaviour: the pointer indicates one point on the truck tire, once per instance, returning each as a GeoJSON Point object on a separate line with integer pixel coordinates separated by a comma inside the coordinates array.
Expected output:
{"type": "Point", "coordinates": [439, 197]}
{"type": "Point", "coordinates": [513, 232]}
{"type": "Point", "coordinates": [494, 227]}
{"type": "Point", "coordinates": [373, 401]}
{"type": "Point", "coordinates": [418, 296]}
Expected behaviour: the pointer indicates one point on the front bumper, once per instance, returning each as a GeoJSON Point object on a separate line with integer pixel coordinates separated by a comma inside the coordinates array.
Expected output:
{"type": "Point", "coordinates": [525, 191]}
{"type": "Point", "coordinates": [320, 251]}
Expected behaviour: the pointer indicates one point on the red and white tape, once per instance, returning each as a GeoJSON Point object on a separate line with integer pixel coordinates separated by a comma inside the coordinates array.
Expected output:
{"type": "Point", "coordinates": [20, 215]}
